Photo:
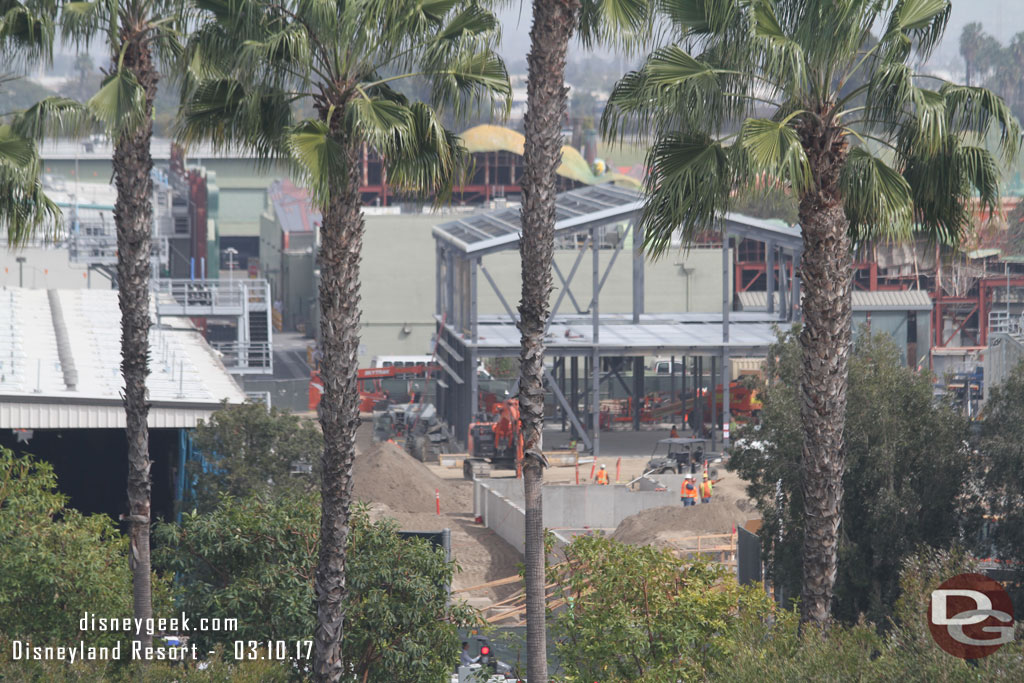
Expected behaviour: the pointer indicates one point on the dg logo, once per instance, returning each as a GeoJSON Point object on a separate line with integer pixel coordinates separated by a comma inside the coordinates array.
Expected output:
{"type": "Point", "coordinates": [971, 616]}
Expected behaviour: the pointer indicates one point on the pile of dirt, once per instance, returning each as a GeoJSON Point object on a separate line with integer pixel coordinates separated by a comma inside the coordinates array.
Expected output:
{"type": "Point", "coordinates": [386, 475]}
{"type": "Point", "coordinates": [655, 525]}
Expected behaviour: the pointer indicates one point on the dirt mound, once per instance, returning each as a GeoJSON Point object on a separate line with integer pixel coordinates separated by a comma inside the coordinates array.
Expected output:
{"type": "Point", "coordinates": [656, 525]}
{"type": "Point", "coordinates": [387, 475]}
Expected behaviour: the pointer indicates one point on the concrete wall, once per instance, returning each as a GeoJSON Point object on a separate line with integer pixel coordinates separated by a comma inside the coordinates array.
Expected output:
{"type": "Point", "coordinates": [46, 268]}
{"type": "Point", "coordinates": [500, 503]}
{"type": "Point", "coordinates": [1004, 353]}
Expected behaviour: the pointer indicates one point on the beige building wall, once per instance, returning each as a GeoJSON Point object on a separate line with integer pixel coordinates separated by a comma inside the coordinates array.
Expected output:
{"type": "Point", "coordinates": [398, 273]}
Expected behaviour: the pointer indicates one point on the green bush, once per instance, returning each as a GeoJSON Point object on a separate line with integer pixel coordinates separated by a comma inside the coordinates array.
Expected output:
{"type": "Point", "coordinates": [56, 563]}
{"type": "Point", "coordinates": [640, 614]}
{"type": "Point", "coordinates": [254, 559]}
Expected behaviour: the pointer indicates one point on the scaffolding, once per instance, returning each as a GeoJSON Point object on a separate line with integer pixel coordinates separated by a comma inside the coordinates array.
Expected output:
{"type": "Point", "coordinates": [606, 340]}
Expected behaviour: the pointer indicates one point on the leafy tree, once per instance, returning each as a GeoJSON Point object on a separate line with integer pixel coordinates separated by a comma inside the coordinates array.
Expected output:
{"type": "Point", "coordinates": [905, 471]}
{"type": "Point", "coordinates": [637, 614]}
{"type": "Point", "coordinates": [249, 60]}
{"type": "Point", "coordinates": [1002, 469]}
{"type": "Point", "coordinates": [249, 450]}
{"type": "Point", "coordinates": [555, 22]}
{"type": "Point", "coordinates": [257, 557]}
{"type": "Point", "coordinates": [910, 158]}
{"type": "Point", "coordinates": [56, 563]}
{"type": "Point", "coordinates": [777, 652]}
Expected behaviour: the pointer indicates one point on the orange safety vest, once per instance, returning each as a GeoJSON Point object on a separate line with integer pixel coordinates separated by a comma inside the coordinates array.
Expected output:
{"type": "Point", "coordinates": [602, 477]}
{"type": "Point", "coordinates": [705, 489]}
{"type": "Point", "coordinates": [688, 490]}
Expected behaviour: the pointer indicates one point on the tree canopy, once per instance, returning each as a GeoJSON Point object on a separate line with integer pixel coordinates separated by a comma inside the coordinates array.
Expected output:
{"type": "Point", "coordinates": [247, 449]}
{"type": "Point", "coordinates": [56, 563]}
{"type": "Point", "coordinates": [906, 470]}
{"type": "Point", "coordinates": [257, 557]}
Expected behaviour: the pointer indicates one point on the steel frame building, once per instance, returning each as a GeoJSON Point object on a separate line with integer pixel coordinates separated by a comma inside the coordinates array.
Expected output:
{"type": "Point", "coordinates": [464, 336]}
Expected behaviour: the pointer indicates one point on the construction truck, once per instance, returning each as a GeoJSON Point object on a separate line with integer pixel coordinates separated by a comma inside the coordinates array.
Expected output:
{"type": "Point", "coordinates": [417, 425]}
{"type": "Point", "coordinates": [372, 395]}
{"type": "Point", "coordinates": [678, 456]}
{"type": "Point", "coordinates": [495, 442]}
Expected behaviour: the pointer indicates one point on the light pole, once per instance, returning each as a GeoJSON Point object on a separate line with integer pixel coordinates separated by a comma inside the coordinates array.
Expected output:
{"type": "Point", "coordinates": [21, 270]}
{"type": "Point", "coordinates": [231, 253]}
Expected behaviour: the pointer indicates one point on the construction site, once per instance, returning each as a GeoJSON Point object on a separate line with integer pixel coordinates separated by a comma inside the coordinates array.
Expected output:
{"type": "Point", "coordinates": [441, 436]}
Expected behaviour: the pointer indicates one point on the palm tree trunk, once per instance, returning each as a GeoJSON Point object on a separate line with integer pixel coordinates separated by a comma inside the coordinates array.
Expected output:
{"type": "Point", "coordinates": [553, 24]}
{"type": "Point", "coordinates": [133, 216]}
{"type": "Point", "coordinates": [826, 271]}
{"type": "Point", "coordinates": [341, 237]}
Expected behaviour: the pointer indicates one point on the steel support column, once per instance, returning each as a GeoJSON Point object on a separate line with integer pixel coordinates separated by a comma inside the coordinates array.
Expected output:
{"type": "Point", "coordinates": [769, 273]}
{"type": "Point", "coordinates": [726, 295]}
{"type": "Point", "coordinates": [595, 356]}
{"type": "Point", "coordinates": [714, 402]}
{"type": "Point", "coordinates": [574, 384]}
{"type": "Point", "coordinates": [570, 412]}
{"type": "Point", "coordinates": [726, 405]}
{"type": "Point", "coordinates": [473, 263]}
{"type": "Point", "coordinates": [782, 284]}
{"type": "Point", "coordinates": [638, 271]}
{"type": "Point", "coordinates": [638, 391]}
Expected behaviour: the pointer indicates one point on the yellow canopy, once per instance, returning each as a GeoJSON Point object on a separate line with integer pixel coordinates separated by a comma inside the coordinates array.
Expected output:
{"type": "Point", "coordinates": [487, 138]}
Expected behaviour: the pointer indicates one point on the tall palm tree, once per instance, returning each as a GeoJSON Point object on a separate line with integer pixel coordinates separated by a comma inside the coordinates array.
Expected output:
{"type": "Point", "coordinates": [26, 37]}
{"type": "Point", "coordinates": [138, 34]}
{"type": "Point", "coordinates": [762, 86]}
{"type": "Point", "coordinates": [249, 62]}
{"type": "Point", "coordinates": [555, 22]}
{"type": "Point", "coordinates": [971, 38]}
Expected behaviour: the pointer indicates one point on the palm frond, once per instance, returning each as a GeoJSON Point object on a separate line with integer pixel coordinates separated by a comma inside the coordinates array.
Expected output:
{"type": "Point", "coordinates": [28, 29]}
{"type": "Point", "coordinates": [120, 103]}
{"type": "Point", "coordinates": [773, 147]}
{"type": "Point", "coordinates": [625, 24]}
{"type": "Point", "coordinates": [688, 188]}
{"type": "Point", "coordinates": [25, 211]}
{"type": "Point", "coordinates": [982, 112]}
{"type": "Point", "coordinates": [384, 124]}
{"type": "Point", "coordinates": [319, 157]}
{"type": "Point", "coordinates": [430, 159]}
{"type": "Point", "coordinates": [54, 117]}
{"type": "Point", "coordinates": [877, 198]}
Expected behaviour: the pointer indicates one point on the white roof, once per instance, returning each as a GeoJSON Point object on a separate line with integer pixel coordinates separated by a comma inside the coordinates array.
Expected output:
{"type": "Point", "coordinates": [160, 149]}
{"type": "Point", "coordinates": [187, 381]}
{"type": "Point", "coordinates": [903, 300]}
{"type": "Point", "coordinates": [655, 335]}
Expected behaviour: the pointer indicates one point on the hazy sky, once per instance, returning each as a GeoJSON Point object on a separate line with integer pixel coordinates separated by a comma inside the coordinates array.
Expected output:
{"type": "Point", "coordinates": [1001, 18]}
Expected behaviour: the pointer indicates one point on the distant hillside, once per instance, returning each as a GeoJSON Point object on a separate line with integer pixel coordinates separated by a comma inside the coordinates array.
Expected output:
{"type": "Point", "coordinates": [19, 94]}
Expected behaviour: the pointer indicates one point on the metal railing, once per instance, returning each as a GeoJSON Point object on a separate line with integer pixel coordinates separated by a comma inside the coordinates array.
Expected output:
{"type": "Point", "coordinates": [1003, 321]}
{"type": "Point", "coordinates": [207, 295]}
{"type": "Point", "coordinates": [246, 357]}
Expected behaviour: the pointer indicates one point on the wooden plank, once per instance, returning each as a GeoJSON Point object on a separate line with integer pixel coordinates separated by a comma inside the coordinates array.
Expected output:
{"type": "Point", "coordinates": [490, 584]}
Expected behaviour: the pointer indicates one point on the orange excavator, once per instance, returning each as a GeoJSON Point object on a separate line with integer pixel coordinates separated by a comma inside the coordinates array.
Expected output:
{"type": "Point", "coordinates": [495, 443]}
{"type": "Point", "coordinates": [371, 390]}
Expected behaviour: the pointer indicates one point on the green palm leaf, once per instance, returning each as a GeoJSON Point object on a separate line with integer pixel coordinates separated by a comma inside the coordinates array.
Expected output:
{"type": "Point", "coordinates": [877, 198]}
{"type": "Point", "coordinates": [775, 147]}
{"type": "Point", "coordinates": [120, 103]}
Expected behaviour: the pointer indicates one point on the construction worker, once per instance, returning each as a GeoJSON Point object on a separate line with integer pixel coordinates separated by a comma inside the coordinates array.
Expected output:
{"type": "Point", "coordinates": [602, 476]}
{"type": "Point", "coordinates": [688, 491]}
{"type": "Point", "coordinates": [673, 434]}
{"type": "Point", "coordinates": [705, 489]}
